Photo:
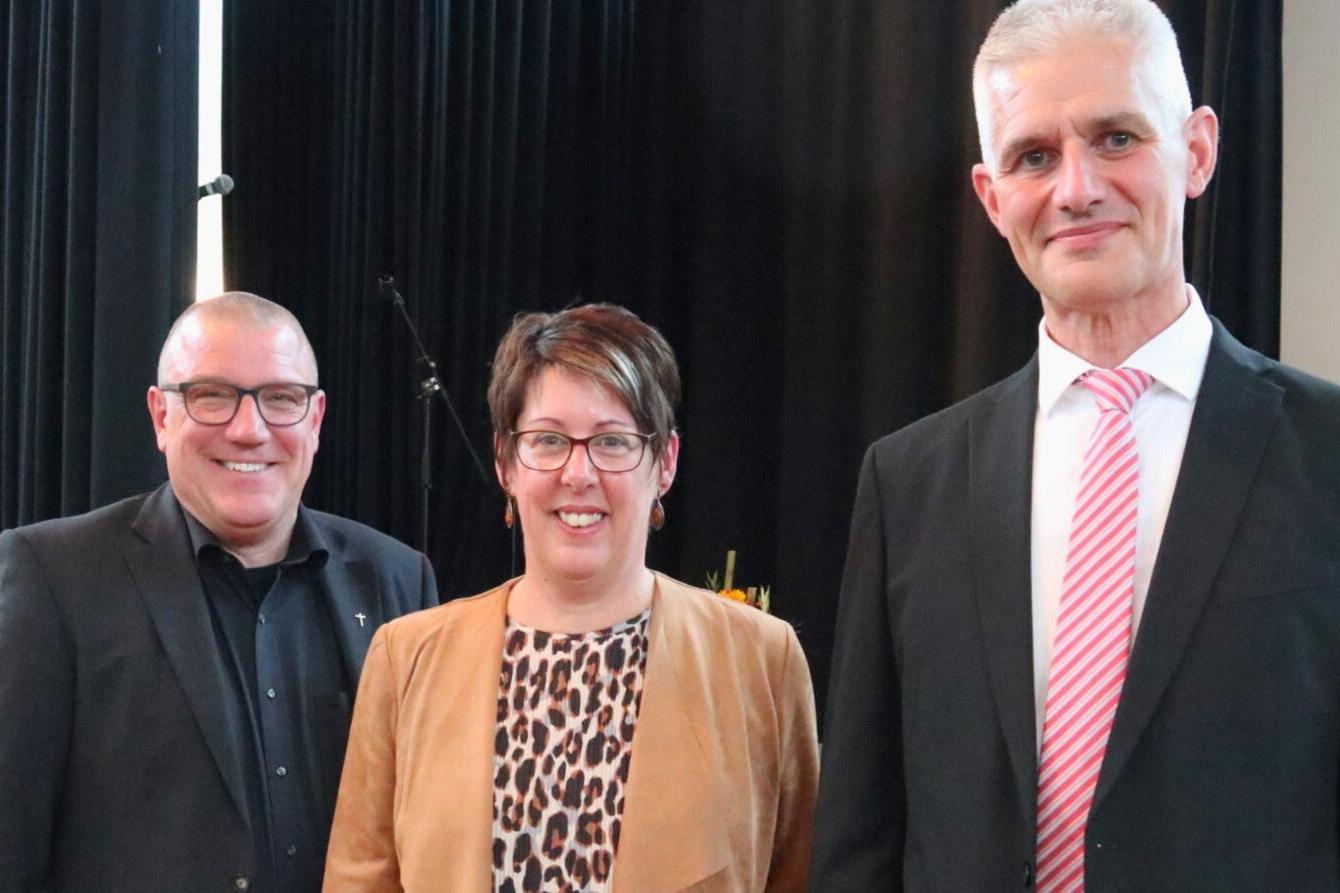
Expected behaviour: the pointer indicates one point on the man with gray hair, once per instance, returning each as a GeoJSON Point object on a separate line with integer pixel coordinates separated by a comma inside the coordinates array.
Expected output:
{"type": "Point", "coordinates": [1089, 630]}
{"type": "Point", "coordinates": [177, 670]}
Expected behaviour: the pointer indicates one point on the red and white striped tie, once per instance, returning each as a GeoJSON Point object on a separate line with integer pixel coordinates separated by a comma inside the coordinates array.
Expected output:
{"type": "Point", "coordinates": [1093, 631]}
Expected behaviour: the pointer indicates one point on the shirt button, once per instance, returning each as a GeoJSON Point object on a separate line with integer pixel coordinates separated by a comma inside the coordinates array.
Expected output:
{"type": "Point", "coordinates": [292, 850]}
{"type": "Point", "coordinates": [281, 771]}
{"type": "Point", "coordinates": [269, 692]}
{"type": "Point", "coordinates": [241, 882]}
{"type": "Point", "coordinates": [261, 618]}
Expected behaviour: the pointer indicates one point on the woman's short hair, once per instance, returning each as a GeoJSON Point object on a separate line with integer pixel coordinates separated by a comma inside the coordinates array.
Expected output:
{"type": "Point", "coordinates": [604, 343]}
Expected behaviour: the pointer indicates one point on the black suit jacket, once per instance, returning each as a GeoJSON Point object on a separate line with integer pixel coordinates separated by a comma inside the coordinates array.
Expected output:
{"type": "Point", "coordinates": [120, 732]}
{"type": "Point", "coordinates": [1223, 768]}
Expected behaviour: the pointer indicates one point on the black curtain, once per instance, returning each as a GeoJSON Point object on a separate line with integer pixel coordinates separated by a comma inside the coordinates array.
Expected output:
{"type": "Point", "coordinates": [98, 135]}
{"type": "Point", "coordinates": [1232, 48]}
{"type": "Point", "coordinates": [781, 186]}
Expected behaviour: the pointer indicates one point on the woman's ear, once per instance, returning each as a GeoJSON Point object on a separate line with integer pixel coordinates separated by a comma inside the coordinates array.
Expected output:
{"type": "Point", "coordinates": [499, 468]}
{"type": "Point", "coordinates": [669, 463]}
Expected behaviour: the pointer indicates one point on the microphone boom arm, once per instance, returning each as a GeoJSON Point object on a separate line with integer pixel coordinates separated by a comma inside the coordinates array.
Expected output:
{"type": "Point", "coordinates": [427, 388]}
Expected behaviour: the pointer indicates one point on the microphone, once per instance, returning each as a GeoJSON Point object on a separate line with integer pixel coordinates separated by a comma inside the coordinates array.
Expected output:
{"type": "Point", "coordinates": [220, 185]}
{"type": "Point", "coordinates": [388, 292]}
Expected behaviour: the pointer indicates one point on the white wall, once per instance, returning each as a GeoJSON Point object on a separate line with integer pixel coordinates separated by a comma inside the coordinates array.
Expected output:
{"type": "Point", "coordinates": [1310, 302]}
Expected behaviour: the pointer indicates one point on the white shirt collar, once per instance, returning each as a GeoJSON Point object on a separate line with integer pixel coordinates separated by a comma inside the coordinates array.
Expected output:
{"type": "Point", "coordinates": [1175, 357]}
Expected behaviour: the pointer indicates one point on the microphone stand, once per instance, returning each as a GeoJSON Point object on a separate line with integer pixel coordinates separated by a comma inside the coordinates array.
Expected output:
{"type": "Point", "coordinates": [427, 388]}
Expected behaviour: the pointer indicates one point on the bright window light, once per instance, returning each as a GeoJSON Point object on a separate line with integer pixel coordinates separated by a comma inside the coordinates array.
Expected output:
{"type": "Point", "coordinates": [209, 210]}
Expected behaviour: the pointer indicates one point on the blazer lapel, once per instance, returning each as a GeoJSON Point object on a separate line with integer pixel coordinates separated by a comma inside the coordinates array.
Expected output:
{"type": "Point", "coordinates": [159, 559]}
{"type": "Point", "coordinates": [1233, 419]}
{"type": "Point", "coordinates": [449, 748]}
{"type": "Point", "coordinates": [354, 595]}
{"type": "Point", "coordinates": [1000, 480]}
{"type": "Point", "coordinates": [674, 820]}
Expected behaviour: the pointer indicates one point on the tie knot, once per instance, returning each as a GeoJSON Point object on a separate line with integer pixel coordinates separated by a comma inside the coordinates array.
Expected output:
{"type": "Point", "coordinates": [1116, 388]}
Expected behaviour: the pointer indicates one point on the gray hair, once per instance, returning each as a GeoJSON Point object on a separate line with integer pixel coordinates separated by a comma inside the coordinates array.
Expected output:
{"type": "Point", "coordinates": [242, 308]}
{"type": "Point", "coordinates": [1028, 29]}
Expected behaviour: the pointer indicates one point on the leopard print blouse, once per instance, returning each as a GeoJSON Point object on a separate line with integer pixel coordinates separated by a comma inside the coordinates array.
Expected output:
{"type": "Point", "coordinates": [567, 705]}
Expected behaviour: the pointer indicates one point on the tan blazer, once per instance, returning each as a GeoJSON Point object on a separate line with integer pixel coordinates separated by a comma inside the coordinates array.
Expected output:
{"type": "Point", "coordinates": [721, 783]}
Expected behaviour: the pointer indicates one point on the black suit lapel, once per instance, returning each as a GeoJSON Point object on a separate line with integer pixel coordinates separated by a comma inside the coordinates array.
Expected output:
{"type": "Point", "coordinates": [158, 556]}
{"type": "Point", "coordinates": [1233, 419]}
{"type": "Point", "coordinates": [1000, 479]}
{"type": "Point", "coordinates": [354, 594]}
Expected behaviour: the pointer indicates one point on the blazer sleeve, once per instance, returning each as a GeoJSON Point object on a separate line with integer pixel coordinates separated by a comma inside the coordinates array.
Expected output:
{"type": "Point", "coordinates": [36, 712]}
{"type": "Point", "coordinates": [798, 768]}
{"type": "Point", "coordinates": [362, 852]}
{"type": "Point", "coordinates": [861, 814]}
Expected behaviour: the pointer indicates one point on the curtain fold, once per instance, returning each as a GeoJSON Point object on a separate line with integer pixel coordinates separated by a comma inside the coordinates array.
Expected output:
{"type": "Point", "coordinates": [99, 139]}
{"type": "Point", "coordinates": [781, 186]}
{"type": "Point", "coordinates": [1233, 231]}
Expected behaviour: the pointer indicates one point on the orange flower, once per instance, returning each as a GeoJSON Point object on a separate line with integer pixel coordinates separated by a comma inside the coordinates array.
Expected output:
{"type": "Point", "coordinates": [736, 595]}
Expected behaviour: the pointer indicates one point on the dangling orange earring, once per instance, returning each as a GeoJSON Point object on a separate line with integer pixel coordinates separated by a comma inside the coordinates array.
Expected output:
{"type": "Point", "coordinates": [657, 514]}
{"type": "Point", "coordinates": [509, 513]}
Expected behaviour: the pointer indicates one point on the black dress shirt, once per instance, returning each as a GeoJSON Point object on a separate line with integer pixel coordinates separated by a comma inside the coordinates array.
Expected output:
{"type": "Point", "coordinates": [273, 629]}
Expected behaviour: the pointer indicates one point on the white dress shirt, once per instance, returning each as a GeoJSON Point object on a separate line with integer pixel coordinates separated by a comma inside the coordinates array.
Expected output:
{"type": "Point", "coordinates": [1066, 416]}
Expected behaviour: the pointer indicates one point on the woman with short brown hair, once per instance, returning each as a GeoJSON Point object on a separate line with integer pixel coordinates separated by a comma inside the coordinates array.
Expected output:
{"type": "Point", "coordinates": [590, 725]}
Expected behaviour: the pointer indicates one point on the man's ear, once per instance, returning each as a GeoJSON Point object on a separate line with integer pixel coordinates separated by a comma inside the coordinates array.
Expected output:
{"type": "Point", "coordinates": [318, 412]}
{"type": "Point", "coordinates": [158, 415]}
{"type": "Point", "coordinates": [1202, 149]}
{"type": "Point", "coordinates": [985, 187]}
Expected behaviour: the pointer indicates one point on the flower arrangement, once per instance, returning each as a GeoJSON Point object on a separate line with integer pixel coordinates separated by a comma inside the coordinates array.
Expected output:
{"type": "Point", "coordinates": [758, 596]}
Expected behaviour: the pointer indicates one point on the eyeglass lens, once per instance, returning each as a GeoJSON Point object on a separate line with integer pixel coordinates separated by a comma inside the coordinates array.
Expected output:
{"type": "Point", "coordinates": [215, 404]}
{"type": "Point", "coordinates": [549, 450]}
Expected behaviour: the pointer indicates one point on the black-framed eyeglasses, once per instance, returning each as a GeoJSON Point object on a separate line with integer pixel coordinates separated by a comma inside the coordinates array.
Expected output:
{"type": "Point", "coordinates": [612, 451]}
{"type": "Point", "coordinates": [215, 403]}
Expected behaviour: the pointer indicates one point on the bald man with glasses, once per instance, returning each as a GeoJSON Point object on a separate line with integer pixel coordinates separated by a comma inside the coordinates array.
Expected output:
{"type": "Point", "coordinates": [177, 670]}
